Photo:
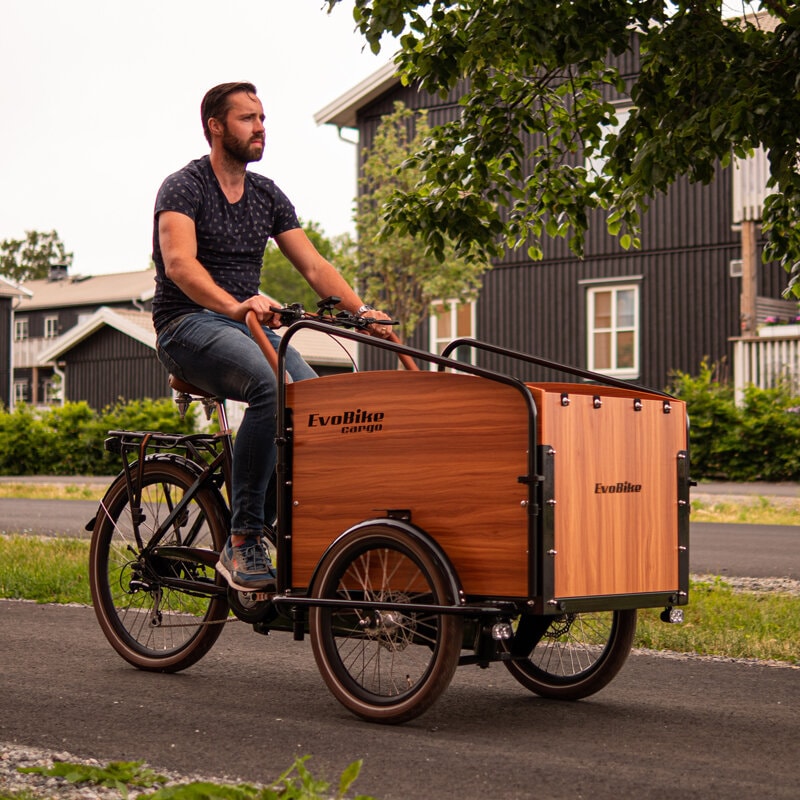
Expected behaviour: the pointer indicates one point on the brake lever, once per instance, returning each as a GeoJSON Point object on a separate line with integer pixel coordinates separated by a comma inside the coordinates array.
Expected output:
{"type": "Point", "coordinates": [290, 313]}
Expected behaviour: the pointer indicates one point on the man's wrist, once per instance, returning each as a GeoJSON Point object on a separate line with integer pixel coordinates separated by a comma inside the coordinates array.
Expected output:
{"type": "Point", "coordinates": [363, 310]}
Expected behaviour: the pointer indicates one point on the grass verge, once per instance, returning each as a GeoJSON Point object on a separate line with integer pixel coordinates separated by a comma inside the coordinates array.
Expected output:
{"type": "Point", "coordinates": [52, 491]}
{"type": "Point", "coordinates": [718, 620]}
{"type": "Point", "coordinates": [754, 510]}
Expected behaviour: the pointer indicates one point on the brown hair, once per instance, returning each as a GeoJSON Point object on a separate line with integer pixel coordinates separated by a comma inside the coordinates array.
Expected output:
{"type": "Point", "coordinates": [215, 103]}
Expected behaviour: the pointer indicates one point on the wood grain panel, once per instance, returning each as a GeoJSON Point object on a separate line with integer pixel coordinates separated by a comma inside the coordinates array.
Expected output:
{"type": "Point", "coordinates": [449, 448]}
{"type": "Point", "coordinates": [616, 512]}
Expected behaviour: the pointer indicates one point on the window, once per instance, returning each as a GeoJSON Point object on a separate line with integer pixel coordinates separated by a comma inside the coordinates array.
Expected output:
{"type": "Point", "coordinates": [613, 329]}
{"type": "Point", "coordinates": [451, 320]}
{"type": "Point", "coordinates": [50, 327]}
{"type": "Point", "coordinates": [51, 391]}
{"type": "Point", "coordinates": [596, 161]}
{"type": "Point", "coordinates": [20, 391]}
{"type": "Point", "coordinates": [21, 330]}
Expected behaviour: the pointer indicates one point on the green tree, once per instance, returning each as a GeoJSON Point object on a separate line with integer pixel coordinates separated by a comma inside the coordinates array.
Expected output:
{"type": "Point", "coordinates": [279, 279]}
{"type": "Point", "coordinates": [398, 272]}
{"type": "Point", "coordinates": [537, 88]}
{"type": "Point", "coordinates": [31, 258]}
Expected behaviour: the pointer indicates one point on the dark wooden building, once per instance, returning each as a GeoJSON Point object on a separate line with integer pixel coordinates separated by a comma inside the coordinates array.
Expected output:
{"type": "Point", "coordinates": [56, 306]}
{"type": "Point", "coordinates": [638, 315]}
{"type": "Point", "coordinates": [109, 356]}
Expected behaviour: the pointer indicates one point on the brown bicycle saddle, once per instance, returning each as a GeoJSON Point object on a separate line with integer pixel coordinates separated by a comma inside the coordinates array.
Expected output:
{"type": "Point", "coordinates": [180, 385]}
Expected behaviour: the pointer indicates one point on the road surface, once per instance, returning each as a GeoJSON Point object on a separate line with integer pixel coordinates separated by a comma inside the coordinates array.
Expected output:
{"type": "Point", "coordinates": [664, 727]}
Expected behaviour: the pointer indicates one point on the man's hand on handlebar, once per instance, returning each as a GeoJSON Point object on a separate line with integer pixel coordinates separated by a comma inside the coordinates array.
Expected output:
{"type": "Point", "coordinates": [375, 323]}
{"type": "Point", "coordinates": [379, 324]}
{"type": "Point", "coordinates": [262, 307]}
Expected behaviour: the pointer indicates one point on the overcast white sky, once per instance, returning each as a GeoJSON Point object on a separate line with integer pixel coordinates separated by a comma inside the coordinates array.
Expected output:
{"type": "Point", "coordinates": [100, 102]}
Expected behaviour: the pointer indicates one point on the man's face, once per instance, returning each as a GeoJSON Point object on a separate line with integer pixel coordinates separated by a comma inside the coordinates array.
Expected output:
{"type": "Point", "coordinates": [243, 128]}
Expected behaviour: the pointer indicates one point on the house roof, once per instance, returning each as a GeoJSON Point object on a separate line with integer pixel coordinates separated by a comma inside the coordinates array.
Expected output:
{"type": "Point", "coordinates": [763, 20]}
{"type": "Point", "coordinates": [10, 289]}
{"type": "Point", "coordinates": [316, 348]}
{"type": "Point", "coordinates": [136, 324]}
{"type": "Point", "coordinates": [95, 290]}
{"type": "Point", "coordinates": [342, 111]}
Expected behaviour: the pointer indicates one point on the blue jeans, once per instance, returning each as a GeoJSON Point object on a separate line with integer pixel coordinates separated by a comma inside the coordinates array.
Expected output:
{"type": "Point", "coordinates": [218, 354]}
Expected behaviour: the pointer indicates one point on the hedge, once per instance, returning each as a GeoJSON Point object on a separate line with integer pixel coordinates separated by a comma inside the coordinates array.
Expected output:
{"type": "Point", "coordinates": [758, 440]}
{"type": "Point", "coordinates": [68, 439]}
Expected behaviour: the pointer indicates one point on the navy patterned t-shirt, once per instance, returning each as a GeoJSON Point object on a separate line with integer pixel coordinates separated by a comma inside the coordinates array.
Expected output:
{"type": "Point", "coordinates": [231, 237]}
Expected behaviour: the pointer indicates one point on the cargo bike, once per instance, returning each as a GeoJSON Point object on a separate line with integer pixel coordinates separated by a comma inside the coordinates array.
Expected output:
{"type": "Point", "coordinates": [427, 518]}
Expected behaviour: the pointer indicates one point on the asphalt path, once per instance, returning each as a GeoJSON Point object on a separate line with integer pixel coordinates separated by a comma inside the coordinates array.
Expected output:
{"type": "Point", "coordinates": [665, 725]}
{"type": "Point", "coordinates": [46, 517]}
{"type": "Point", "coordinates": [754, 551]}
{"type": "Point", "coordinates": [672, 727]}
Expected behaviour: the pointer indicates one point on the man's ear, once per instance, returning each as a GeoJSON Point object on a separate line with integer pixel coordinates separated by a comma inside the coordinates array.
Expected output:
{"type": "Point", "coordinates": [215, 126]}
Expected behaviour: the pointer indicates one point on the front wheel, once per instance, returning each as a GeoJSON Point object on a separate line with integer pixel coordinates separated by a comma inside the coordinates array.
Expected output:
{"type": "Point", "coordinates": [385, 665]}
{"type": "Point", "coordinates": [575, 656]}
{"type": "Point", "coordinates": [160, 611]}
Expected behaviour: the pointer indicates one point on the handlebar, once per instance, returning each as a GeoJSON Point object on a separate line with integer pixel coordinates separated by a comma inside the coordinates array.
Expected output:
{"type": "Point", "coordinates": [326, 313]}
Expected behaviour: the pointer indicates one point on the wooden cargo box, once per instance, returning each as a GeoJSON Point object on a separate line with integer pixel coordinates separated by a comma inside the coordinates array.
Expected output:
{"type": "Point", "coordinates": [613, 498]}
{"type": "Point", "coordinates": [453, 451]}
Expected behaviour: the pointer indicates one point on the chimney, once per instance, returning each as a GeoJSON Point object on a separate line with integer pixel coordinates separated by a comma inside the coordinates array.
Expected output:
{"type": "Point", "coordinates": [58, 272]}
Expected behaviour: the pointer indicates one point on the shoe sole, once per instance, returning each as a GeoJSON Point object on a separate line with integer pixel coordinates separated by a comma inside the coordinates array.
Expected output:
{"type": "Point", "coordinates": [269, 588]}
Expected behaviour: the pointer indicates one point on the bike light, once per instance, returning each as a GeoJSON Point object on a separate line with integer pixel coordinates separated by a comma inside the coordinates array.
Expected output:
{"type": "Point", "coordinates": [502, 631]}
{"type": "Point", "coordinates": [673, 615]}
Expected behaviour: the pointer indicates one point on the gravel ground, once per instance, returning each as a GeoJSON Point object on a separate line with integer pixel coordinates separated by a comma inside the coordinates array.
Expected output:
{"type": "Point", "coordinates": [12, 757]}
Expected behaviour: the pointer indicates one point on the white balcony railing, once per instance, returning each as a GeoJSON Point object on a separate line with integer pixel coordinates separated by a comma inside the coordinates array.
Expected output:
{"type": "Point", "coordinates": [767, 360]}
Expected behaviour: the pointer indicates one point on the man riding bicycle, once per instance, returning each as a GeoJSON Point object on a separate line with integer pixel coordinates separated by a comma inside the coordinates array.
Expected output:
{"type": "Point", "coordinates": [212, 221]}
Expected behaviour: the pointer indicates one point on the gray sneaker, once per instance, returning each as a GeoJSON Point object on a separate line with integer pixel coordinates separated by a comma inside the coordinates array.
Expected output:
{"type": "Point", "coordinates": [247, 567]}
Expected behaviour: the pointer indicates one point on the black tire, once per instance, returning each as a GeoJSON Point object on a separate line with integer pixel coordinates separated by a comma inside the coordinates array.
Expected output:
{"type": "Point", "coordinates": [150, 624]}
{"type": "Point", "coordinates": [384, 666]}
{"type": "Point", "coordinates": [577, 655]}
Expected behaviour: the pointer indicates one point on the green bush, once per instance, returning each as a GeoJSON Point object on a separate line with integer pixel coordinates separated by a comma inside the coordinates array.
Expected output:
{"type": "Point", "coordinates": [758, 440]}
{"type": "Point", "coordinates": [68, 440]}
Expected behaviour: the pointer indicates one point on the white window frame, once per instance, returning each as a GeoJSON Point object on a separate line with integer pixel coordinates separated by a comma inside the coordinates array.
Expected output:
{"type": "Point", "coordinates": [437, 343]}
{"type": "Point", "coordinates": [21, 391]}
{"type": "Point", "coordinates": [22, 329]}
{"type": "Point", "coordinates": [51, 327]}
{"type": "Point", "coordinates": [594, 288]}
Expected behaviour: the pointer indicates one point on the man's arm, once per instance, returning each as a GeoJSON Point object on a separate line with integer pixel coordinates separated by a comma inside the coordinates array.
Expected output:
{"type": "Point", "coordinates": [178, 239]}
{"type": "Point", "coordinates": [321, 275]}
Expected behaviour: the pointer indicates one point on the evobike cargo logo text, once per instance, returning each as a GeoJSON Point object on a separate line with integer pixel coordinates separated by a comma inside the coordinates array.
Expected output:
{"type": "Point", "coordinates": [357, 421]}
{"type": "Point", "coordinates": [622, 487]}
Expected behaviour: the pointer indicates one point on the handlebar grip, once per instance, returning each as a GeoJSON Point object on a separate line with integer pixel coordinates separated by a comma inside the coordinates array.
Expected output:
{"type": "Point", "coordinates": [261, 340]}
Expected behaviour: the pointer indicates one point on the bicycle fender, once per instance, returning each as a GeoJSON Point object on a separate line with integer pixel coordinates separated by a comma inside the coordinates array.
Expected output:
{"type": "Point", "coordinates": [185, 463]}
{"type": "Point", "coordinates": [421, 536]}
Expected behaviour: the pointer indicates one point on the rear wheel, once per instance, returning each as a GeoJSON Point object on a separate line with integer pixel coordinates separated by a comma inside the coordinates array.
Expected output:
{"type": "Point", "coordinates": [384, 664]}
{"type": "Point", "coordinates": [158, 607]}
{"type": "Point", "coordinates": [576, 656]}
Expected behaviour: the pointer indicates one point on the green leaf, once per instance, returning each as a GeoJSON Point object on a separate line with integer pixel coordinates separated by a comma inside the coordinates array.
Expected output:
{"type": "Point", "coordinates": [349, 776]}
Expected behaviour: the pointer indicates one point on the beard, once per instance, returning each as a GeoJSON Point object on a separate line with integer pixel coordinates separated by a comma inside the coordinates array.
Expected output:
{"type": "Point", "coordinates": [242, 151]}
